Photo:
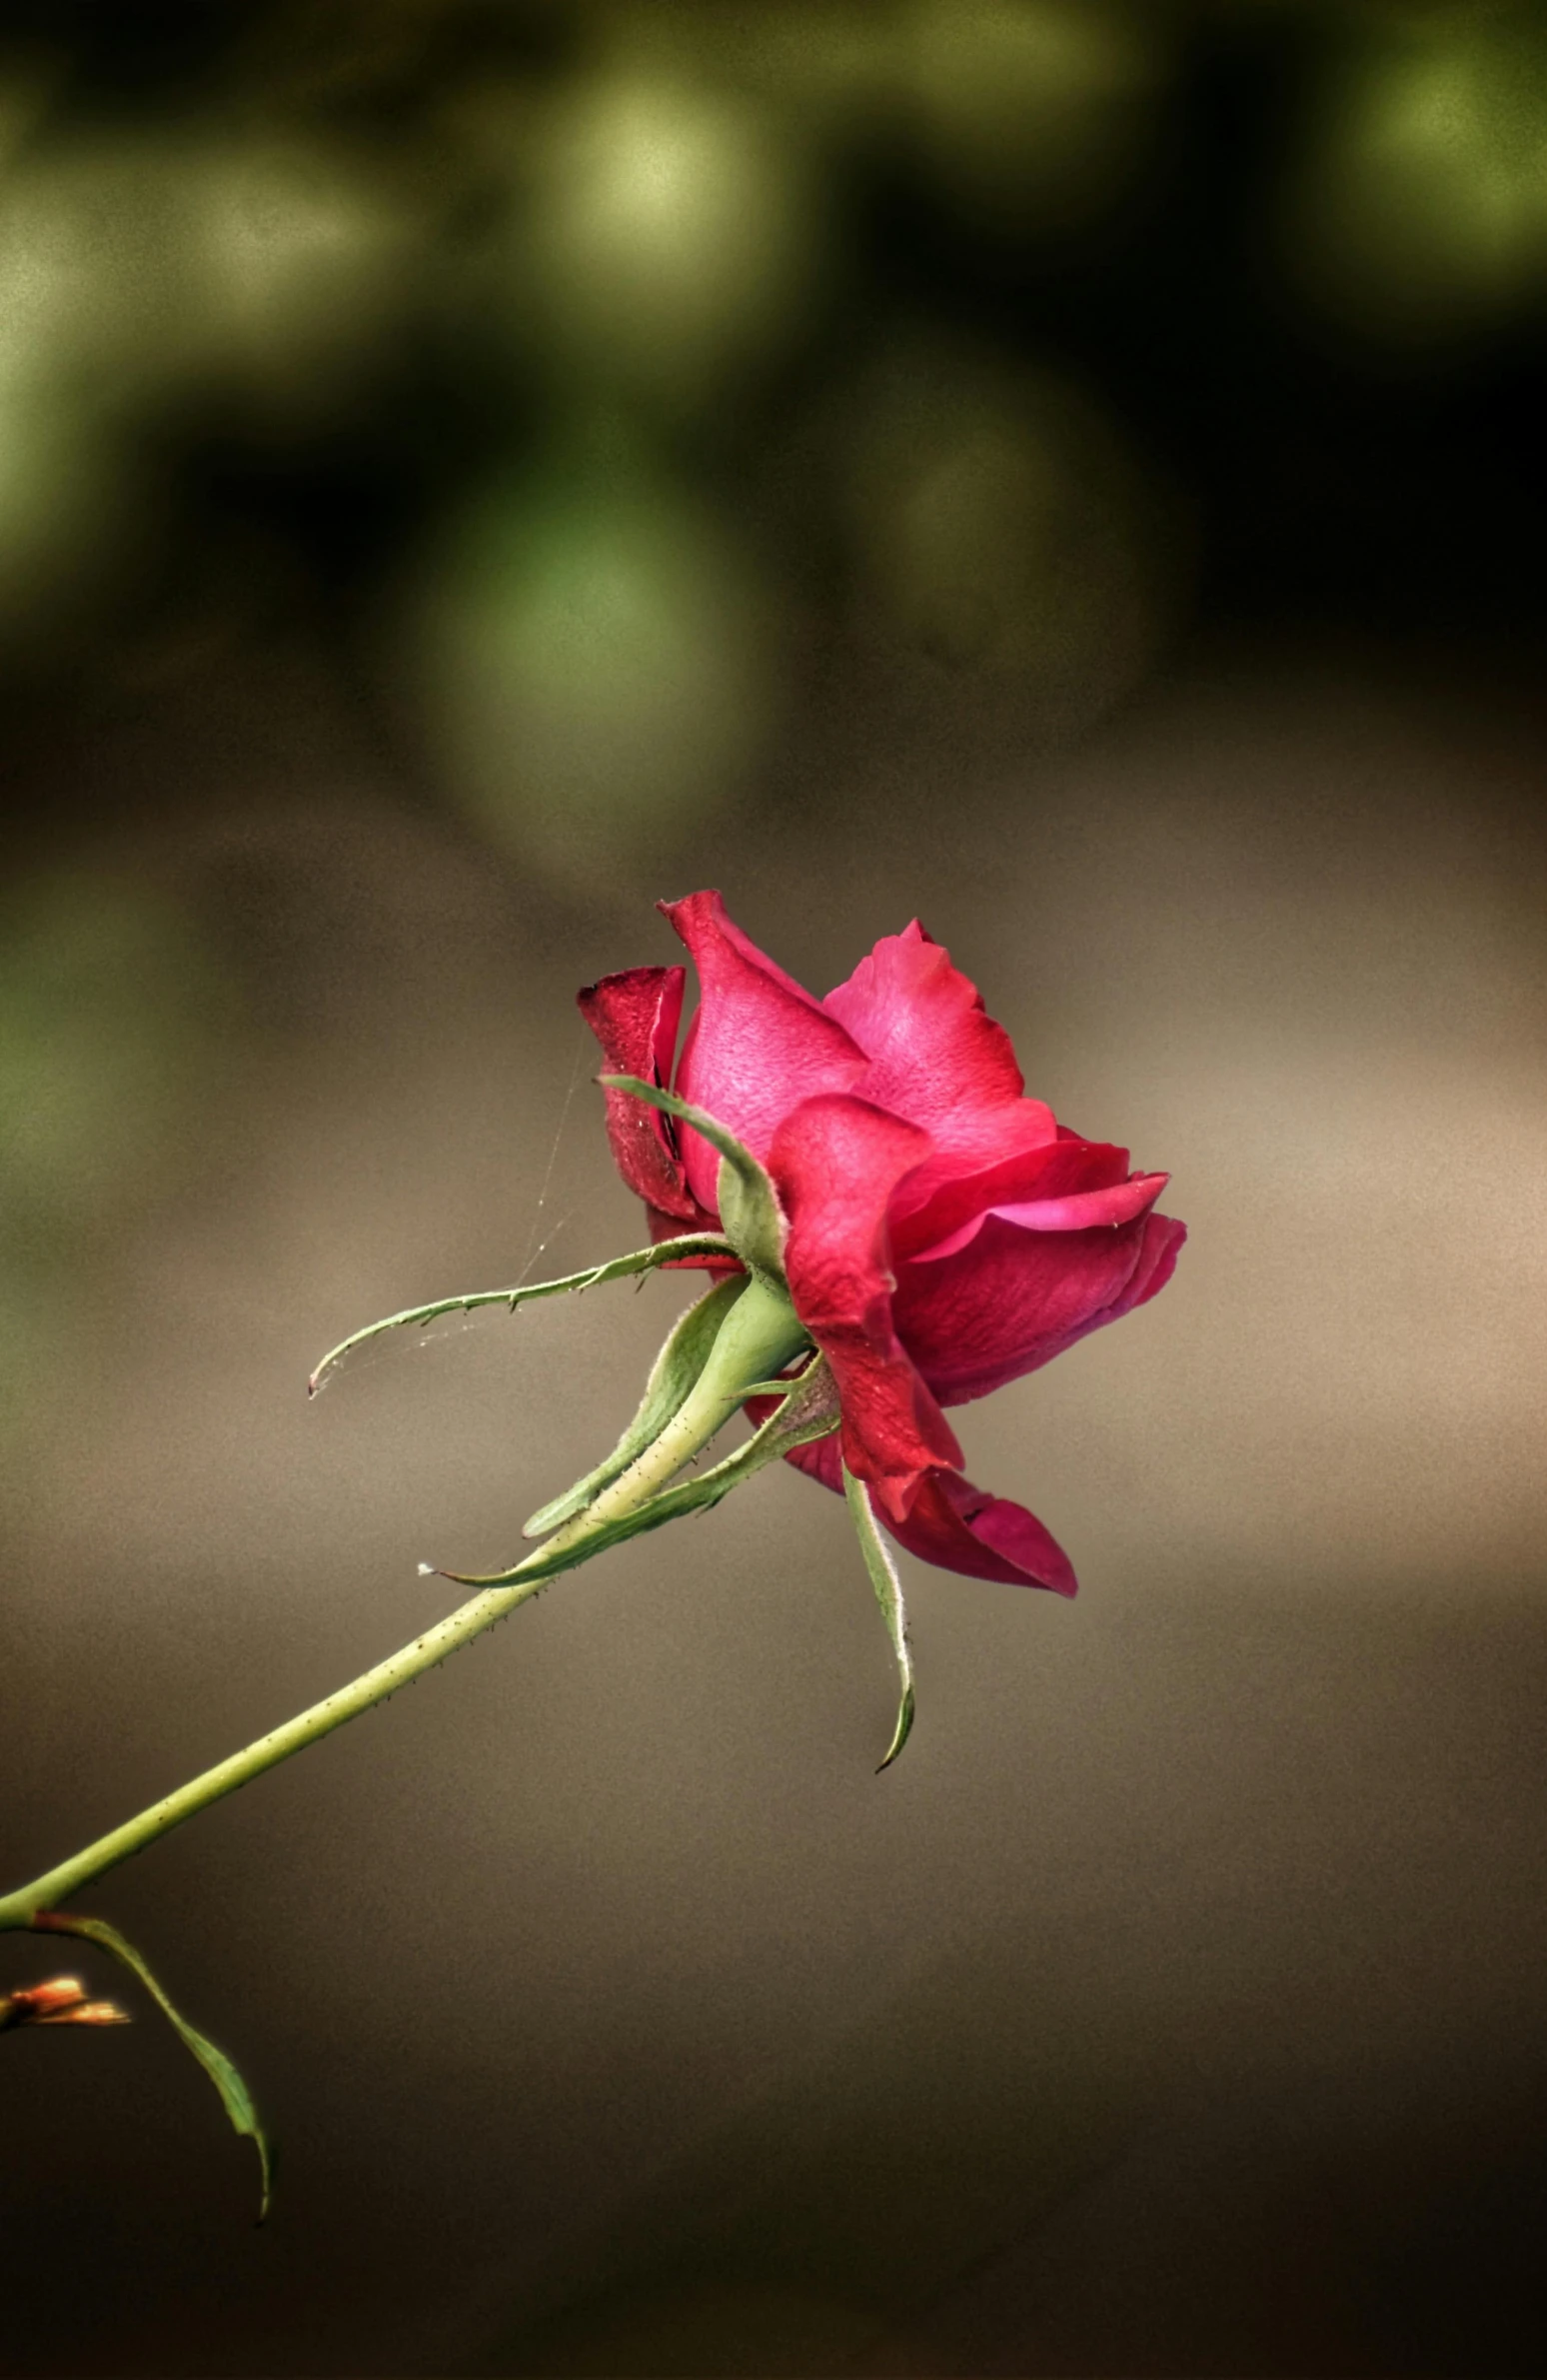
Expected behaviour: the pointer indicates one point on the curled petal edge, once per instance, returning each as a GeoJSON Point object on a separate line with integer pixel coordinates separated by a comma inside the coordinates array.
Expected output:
{"type": "Point", "coordinates": [955, 1526]}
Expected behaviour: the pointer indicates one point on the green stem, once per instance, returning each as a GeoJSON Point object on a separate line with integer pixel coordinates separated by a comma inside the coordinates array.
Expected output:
{"type": "Point", "coordinates": [759, 1335]}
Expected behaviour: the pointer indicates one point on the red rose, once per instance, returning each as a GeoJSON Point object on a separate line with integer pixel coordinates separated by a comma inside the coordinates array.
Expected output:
{"type": "Point", "coordinates": [946, 1234]}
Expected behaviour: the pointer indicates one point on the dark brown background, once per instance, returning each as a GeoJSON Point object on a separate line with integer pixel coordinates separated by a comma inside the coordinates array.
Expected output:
{"type": "Point", "coordinates": [1175, 2005]}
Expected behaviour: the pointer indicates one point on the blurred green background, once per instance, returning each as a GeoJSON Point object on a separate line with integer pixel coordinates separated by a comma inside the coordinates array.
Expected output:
{"type": "Point", "coordinates": [1070, 468]}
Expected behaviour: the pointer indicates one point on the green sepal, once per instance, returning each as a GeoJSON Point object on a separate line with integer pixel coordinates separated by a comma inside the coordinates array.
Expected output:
{"type": "Point", "coordinates": [643, 1259]}
{"type": "Point", "coordinates": [810, 1410]}
{"type": "Point", "coordinates": [889, 1595]}
{"type": "Point", "coordinates": [235, 2096]}
{"type": "Point", "coordinates": [675, 1374]}
{"type": "Point", "coordinates": [748, 1207]}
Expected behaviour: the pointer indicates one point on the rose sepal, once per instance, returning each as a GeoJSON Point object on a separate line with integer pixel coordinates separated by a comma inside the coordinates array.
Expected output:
{"type": "Point", "coordinates": [889, 1595]}
{"type": "Point", "coordinates": [639, 1259]}
{"type": "Point", "coordinates": [810, 1410]}
{"type": "Point", "coordinates": [750, 1211]}
{"type": "Point", "coordinates": [675, 1374]}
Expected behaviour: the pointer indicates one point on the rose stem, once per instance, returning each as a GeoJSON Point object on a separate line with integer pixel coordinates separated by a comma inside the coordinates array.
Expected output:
{"type": "Point", "coordinates": [758, 1337]}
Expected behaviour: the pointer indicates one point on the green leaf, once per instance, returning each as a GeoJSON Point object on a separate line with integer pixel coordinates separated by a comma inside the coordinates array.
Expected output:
{"type": "Point", "coordinates": [676, 1371]}
{"type": "Point", "coordinates": [810, 1410]}
{"type": "Point", "coordinates": [888, 1593]}
{"type": "Point", "coordinates": [748, 1207]}
{"type": "Point", "coordinates": [643, 1260]}
{"type": "Point", "coordinates": [235, 2096]}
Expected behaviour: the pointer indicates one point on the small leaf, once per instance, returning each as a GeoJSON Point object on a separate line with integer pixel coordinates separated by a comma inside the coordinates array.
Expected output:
{"type": "Point", "coordinates": [675, 1374]}
{"type": "Point", "coordinates": [748, 1207]}
{"type": "Point", "coordinates": [888, 1593]}
{"type": "Point", "coordinates": [643, 1260]}
{"type": "Point", "coordinates": [810, 1410]}
{"type": "Point", "coordinates": [234, 2093]}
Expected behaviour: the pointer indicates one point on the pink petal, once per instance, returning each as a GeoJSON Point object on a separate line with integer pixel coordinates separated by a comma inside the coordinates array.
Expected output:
{"type": "Point", "coordinates": [1014, 1300]}
{"type": "Point", "coordinates": [1077, 1213]}
{"type": "Point", "coordinates": [834, 1163]}
{"type": "Point", "coordinates": [935, 1056]}
{"type": "Point", "coordinates": [960, 1527]}
{"type": "Point", "coordinates": [634, 1015]}
{"type": "Point", "coordinates": [759, 1044]}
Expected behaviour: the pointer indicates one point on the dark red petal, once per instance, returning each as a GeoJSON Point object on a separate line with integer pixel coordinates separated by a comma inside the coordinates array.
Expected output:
{"type": "Point", "coordinates": [759, 1044]}
{"type": "Point", "coordinates": [1078, 1210]}
{"type": "Point", "coordinates": [1014, 1300]}
{"type": "Point", "coordinates": [949, 1192]}
{"type": "Point", "coordinates": [1161, 1245]}
{"type": "Point", "coordinates": [834, 1163]}
{"type": "Point", "coordinates": [935, 1056]}
{"type": "Point", "coordinates": [634, 1015]}
{"type": "Point", "coordinates": [960, 1527]}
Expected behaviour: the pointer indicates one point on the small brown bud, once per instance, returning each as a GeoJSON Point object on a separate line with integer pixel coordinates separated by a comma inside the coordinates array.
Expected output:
{"type": "Point", "coordinates": [43, 1999]}
{"type": "Point", "coordinates": [88, 2012]}
{"type": "Point", "coordinates": [60, 2001]}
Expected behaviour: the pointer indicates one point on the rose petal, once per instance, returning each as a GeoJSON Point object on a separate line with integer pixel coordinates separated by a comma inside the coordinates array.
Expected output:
{"type": "Point", "coordinates": [936, 1204]}
{"type": "Point", "coordinates": [834, 1163]}
{"type": "Point", "coordinates": [1079, 1211]}
{"type": "Point", "coordinates": [635, 1017]}
{"type": "Point", "coordinates": [959, 1526]}
{"type": "Point", "coordinates": [1014, 1300]}
{"type": "Point", "coordinates": [923, 1026]}
{"type": "Point", "coordinates": [934, 1055]}
{"type": "Point", "coordinates": [758, 1046]}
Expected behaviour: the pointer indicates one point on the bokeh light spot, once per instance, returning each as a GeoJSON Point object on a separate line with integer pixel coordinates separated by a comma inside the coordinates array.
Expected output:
{"type": "Point", "coordinates": [671, 238]}
{"type": "Point", "coordinates": [592, 669]}
{"type": "Point", "coordinates": [1000, 525]}
{"type": "Point", "coordinates": [1418, 212]}
{"type": "Point", "coordinates": [1031, 113]}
